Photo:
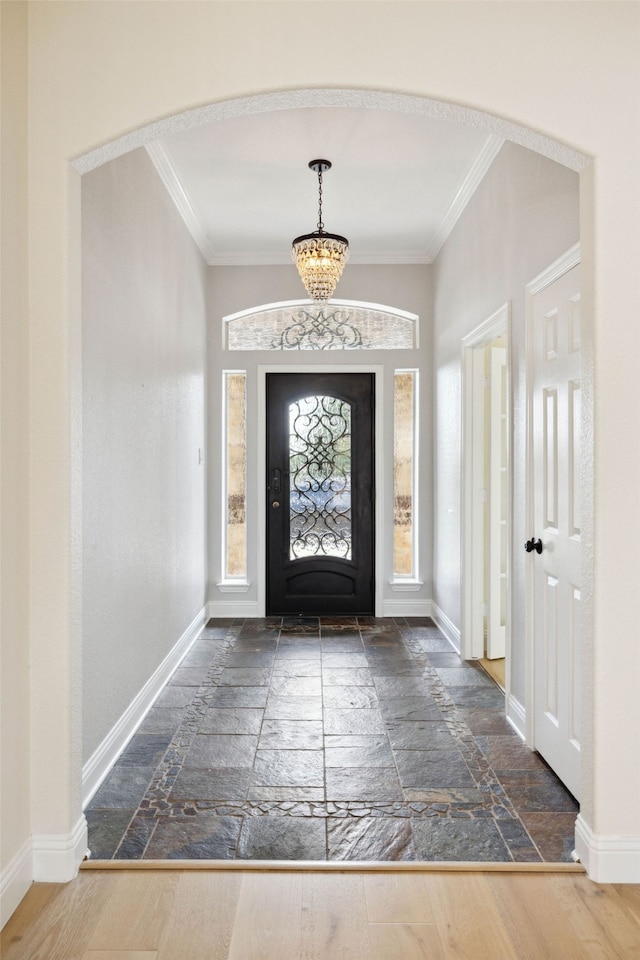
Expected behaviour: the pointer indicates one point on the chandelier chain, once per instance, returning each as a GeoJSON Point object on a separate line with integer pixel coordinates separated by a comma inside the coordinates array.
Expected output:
{"type": "Point", "coordinates": [320, 256]}
{"type": "Point", "coordinates": [320, 223]}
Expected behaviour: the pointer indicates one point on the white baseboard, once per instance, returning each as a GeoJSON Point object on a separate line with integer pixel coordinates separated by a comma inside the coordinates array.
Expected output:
{"type": "Point", "coordinates": [57, 857]}
{"type": "Point", "coordinates": [607, 859]}
{"type": "Point", "coordinates": [234, 609]}
{"type": "Point", "coordinates": [249, 608]}
{"type": "Point", "coordinates": [447, 626]}
{"type": "Point", "coordinates": [517, 717]}
{"type": "Point", "coordinates": [98, 765]}
{"type": "Point", "coordinates": [403, 607]}
{"type": "Point", "coordinates": [15, 880]}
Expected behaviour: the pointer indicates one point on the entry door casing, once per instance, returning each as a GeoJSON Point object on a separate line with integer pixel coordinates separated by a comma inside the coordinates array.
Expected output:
{"type": "Point", "coordinates": [320, 493]}
{"type": "Point", "coordinates": [555, 573]}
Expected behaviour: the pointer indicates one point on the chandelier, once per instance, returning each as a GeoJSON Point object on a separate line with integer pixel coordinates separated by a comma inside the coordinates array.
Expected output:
{"type": "Point", "coordinates": [319, 256]}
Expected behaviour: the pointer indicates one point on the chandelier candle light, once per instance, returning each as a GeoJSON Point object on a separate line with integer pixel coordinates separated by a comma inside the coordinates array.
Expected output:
{"type": "Point", "coordinates": [319, 256]}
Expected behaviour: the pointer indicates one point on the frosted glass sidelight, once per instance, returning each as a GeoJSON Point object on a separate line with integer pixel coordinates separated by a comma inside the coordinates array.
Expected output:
{"type": "Point", "coordinates": [403, 473]}
{"type": "Point", "coordinates": [235, 475]}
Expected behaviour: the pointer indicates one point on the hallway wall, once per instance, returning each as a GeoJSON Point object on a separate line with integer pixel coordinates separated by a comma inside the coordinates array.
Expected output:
{"type": "Point", "coordinates": [15, 795]}
{"type": "Point", "coordinates": [524, 215]}
{"type": "Point", "coordinates": [143, 390]}
{"type": "Point", "coordinates": [403, 286]}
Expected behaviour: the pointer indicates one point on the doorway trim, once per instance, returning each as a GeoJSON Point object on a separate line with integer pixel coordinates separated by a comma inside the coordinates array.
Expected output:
{"type": "Point", "coordinates": [261, 479]}
{"type": "Point", "coordinates": [473, 455]}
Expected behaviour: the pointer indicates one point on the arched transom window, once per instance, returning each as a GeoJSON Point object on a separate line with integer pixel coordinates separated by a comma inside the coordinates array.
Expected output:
{"type": "Point", "coordinates": [335, 325]}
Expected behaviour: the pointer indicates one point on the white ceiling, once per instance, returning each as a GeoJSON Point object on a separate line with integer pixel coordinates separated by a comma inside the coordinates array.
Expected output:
{"type": "Point", "coordinates": [397, 186]}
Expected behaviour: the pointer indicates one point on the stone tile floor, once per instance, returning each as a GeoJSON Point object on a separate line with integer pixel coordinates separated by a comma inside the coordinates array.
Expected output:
{"type": "Point", "coordinates": [329, 739]}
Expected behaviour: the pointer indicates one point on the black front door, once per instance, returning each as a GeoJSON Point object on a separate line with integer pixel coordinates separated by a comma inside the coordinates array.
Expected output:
{"type": "Point", "coordinates": [320, 493]}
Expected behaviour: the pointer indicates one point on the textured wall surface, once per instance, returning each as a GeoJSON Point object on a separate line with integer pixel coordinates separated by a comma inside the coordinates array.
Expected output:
{"type": "Point", "coordinates": [143, 424]}
{"type": "Point", "coordinates": [14, 455]}
{"type": "Point", "coordinates": [405, 287]}
{"type": "Point", "coordinates": [524, 216]}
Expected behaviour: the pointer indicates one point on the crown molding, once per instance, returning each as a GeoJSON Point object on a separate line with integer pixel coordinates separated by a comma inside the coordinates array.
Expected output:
{"type": "Point", "coordinates": [167, 173]}
{"type": "Point", "coordinates": [469, 185]}
{"type": "Point", "coordinates": [250, 258]}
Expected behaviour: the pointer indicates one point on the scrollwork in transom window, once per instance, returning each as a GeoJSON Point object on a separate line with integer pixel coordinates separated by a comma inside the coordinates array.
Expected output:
{"type": "Point", "coordinates": [335, 325]}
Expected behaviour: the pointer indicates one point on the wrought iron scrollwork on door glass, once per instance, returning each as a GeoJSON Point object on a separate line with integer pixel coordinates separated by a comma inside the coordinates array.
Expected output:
{"type": "Point", "coordinates": [320, 478]}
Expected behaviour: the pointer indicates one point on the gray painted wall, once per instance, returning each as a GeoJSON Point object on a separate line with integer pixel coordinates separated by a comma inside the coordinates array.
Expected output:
{"type": "Point", "coordinates": [524, 215]}
{"type": "Point", "coordinates": [144, 350]}
{"type": "Point", "coordinates": [406, 287]}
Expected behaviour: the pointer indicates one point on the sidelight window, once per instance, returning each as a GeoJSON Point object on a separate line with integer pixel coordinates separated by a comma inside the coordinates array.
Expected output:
{"type": "Point", "coordinates": [404, 470]}
{"type": "Point", "coordinates": [235, 480]}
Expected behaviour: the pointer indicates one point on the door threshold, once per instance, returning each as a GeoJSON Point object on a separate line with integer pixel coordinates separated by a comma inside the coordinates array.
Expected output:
{"type": "Point", "coordinates": [337, 866]}
{"type": "Point", "coordinates": [495, 669]}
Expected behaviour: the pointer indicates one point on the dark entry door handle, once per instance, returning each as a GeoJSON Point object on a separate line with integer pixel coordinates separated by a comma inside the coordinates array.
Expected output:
{"type": "Point", "coordinates": [276, 476]}
{"type": "Point", "coordinates": [532, 545]}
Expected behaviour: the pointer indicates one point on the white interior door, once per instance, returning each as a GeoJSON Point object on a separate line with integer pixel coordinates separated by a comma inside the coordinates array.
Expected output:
{"type": "Point", "coordinates": [555, 595]}
{"type": "Point", "coordinates": [496, 630]}
{"type": "Point", "coordinates": [486, 491]}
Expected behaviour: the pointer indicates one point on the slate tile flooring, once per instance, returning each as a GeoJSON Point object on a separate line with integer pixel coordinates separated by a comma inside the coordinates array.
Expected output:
{"type": "Point", "coordinates": [329, 738]}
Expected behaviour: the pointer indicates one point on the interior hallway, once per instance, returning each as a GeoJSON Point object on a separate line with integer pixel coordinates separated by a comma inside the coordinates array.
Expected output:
{"type": "Point", "coordinates": [330, 739]}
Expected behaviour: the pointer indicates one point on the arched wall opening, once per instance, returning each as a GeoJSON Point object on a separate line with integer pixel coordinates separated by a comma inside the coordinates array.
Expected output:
{"type": "Point", "coordinates": [416, 105]}
{"type": "Point", "coordinates": [78, 76]}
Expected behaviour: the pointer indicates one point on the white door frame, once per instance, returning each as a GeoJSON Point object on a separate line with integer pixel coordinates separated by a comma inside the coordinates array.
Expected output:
{"type": "Point", "coordinates": [378, 371]}
{"type": "Point", "coordinates": [556, 270]}
{"type": "Point", "coordinates": [472, 547]}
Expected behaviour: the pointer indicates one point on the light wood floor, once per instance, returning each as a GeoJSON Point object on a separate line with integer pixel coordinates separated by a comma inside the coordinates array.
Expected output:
{"type": "Point", "coordinates": [495, 669]}
{"type": "Point", "coordinates": [209, 914]}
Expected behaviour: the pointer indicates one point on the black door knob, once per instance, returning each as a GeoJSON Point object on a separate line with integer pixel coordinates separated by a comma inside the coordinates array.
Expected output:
{"type": "Point", "coordinates": [532, 545]}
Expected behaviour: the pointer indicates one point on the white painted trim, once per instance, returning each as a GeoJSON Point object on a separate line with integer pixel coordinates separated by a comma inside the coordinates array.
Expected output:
{"type": "Point", "coordinates": [57, 857]}
{"type": "Point", "coordinates": [490, 329]}
{"type": "Point", "coordinates": [447, 626]}
{"type": "Point", "coordinates": [15, 880]}
{"type": "Point", "coordinates": [468, 187]}
{"type": "Point", "coordinates": [236, 609]}
{"type": "Point", "coordinates": [557, 269]}
{"type": "Point", "coordinates": [497, 325]}
{"type": "Point", "coordinates": [98, 765]}
{"type": "Point", "coordinates": [607, 859]}
{"type": "Point", "coordinates": [406, 586]}
{"type": "Point", "coordinates": [406, 608]}
{"type": "Point", "coordinates": [553, 272]}
{"type": "Point", "coordinates": [473, 453]}
{"type": "Point", "coordinates": [412, 104]}
{"type": "Point", "coordinates": [168, 174]}
{"type": "Point", "coordinates": [233, 586]}
{"type": "Point", "coordinates": [517, 716]}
